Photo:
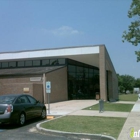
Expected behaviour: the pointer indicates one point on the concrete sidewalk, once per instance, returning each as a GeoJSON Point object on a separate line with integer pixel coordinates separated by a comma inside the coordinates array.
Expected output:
{"type": "Point", "coordinates": [74, 107]}
{"type": "Point", "coordinates": [132, 123]}
{"type": "Point", "coordinates": [67, 107]}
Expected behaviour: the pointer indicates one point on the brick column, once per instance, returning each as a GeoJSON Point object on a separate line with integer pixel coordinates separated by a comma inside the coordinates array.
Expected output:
{"type": "Point", "coordinates": [102, 66]}
{"type": "Point", "coordinates": [110, 85]}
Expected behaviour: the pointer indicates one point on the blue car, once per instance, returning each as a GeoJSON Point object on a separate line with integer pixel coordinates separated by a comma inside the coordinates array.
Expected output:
{"type": "Point", "coordinates": [18, 108]}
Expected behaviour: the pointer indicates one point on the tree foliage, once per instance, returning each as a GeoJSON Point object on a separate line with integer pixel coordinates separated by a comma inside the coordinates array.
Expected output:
{"type": "Point", "coordinates": [133, 33]}
{"type": "Point", "coordinates": [137, 82]}
{"type": "Point", "coordinates": [126, 82]}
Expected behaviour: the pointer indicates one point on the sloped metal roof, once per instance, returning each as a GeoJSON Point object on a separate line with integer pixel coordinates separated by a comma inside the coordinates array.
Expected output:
{"type": "Point", "coordinates": [28, 71]}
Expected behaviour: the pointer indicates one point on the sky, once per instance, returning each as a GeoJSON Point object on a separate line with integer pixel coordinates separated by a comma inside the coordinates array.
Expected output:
{"type": "Point", "coordinates": [40, 24]}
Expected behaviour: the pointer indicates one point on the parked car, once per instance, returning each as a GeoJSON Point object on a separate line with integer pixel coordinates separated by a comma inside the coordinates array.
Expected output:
{"type": "Point", "coordinates": [18, 108]}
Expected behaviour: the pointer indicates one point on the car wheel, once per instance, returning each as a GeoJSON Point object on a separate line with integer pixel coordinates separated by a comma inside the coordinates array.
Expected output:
{"type": "Point", "coordinates": [22, 119]}
{"type": "Point", "coordinates": [43, 113]}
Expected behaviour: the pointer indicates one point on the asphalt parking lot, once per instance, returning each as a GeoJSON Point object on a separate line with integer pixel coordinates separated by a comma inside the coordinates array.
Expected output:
{"type": "Point", "coordinates": [28, 132]}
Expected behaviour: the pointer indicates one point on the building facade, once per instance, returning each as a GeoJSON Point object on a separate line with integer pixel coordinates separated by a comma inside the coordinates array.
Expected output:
{"type": "Point", "coordinates": [82, 72]}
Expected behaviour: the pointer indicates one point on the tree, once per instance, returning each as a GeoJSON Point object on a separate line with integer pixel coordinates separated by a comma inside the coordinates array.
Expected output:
{"type": "Point", "coordinates": [120, 83]}
{"type": "Point", "coordinates": [126, 82]}
{"type": "Point", "coordinates": [133, 34]}
{"type": "Point", "coordinates": [137, 82]}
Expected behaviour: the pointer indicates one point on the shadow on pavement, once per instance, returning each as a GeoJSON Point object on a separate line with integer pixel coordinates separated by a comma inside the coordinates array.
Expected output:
{"type": "Point", "coordinates": [15, 126]}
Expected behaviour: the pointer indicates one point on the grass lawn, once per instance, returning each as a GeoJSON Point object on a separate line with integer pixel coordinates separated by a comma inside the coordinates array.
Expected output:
{"type": "Point", "coordinates": [128, 97]}
{"type": "Point", "coordinates": [87, 124]}
{"type": "Point", "coordinates": [112, 107]}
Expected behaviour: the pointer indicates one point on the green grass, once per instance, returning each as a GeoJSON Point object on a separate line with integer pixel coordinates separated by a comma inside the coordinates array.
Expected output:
{"type": "Point", "coordinates": [112, 107]}
{"type": "Point", "coordinates": [128, 97]}
{"type": "Point", "coordinates": [85, 124]}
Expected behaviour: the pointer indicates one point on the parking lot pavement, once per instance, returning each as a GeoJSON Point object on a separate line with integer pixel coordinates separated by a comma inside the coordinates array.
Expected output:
{"type": "Point", "coordinates": [26, 132]}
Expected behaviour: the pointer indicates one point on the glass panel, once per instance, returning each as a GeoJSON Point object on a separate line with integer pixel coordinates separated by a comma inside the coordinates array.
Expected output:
{"type": "Point", "coordinates": [45, 62]}
{"type": "Point", "coordinates": [96, 72]}
{"type": "Point", "coordinates": [91, 70]}
{"type": "Point", "coordinates": [36, 62]}
{"type": "Point", "coordinates": [4, 64]}
{"type": "Point", "coordinates": [71, 68]}
{"type": "Point", "coordinates": [71, 75]}
{"type": "Point", "coordinates": [0, 65]}
{"type": "Point", "coordinates": [54, 62]}
{"type": "Point", "coordinates": [79, 76]}
{"type": "Point", "coordinates": [22, 100]}
{"type": "Point", "coordinates": [6, 99]}
{"type": "Point", "coordinates": [32, 100]}
{"type": "Point", "coordinates": [90, 75]}
{"type": "Point", "coordinates": [12, 64]}
{"type": "Point", "coordinates": [85, 84]}
{"type": "Point", "coordinates": [85, 69]}
{"type": "Point", "coordinates": [86, 75]}
{"type": "Point", "coordinates": [61, 61]}
{"type": "Point", "coordinates": [28, 63]}
{"type": "Point", "coordinates": [20, 64]}
{"type": "Point", "coordinates": [79, 69]}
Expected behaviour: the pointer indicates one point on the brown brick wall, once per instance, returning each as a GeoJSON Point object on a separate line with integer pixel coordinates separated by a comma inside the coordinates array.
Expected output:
{"type": "Point", "coordinates": [38, 92]}
{"type": "Point", "coordinates": [16, 84]}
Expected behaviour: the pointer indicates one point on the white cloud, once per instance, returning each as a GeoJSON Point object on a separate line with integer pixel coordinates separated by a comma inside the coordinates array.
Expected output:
{"type": "Point", "coordinates": [65, 31]}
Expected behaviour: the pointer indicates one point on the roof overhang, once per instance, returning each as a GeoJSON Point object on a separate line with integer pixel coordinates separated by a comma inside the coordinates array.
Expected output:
{"type": "Point", "coordinates": [85, 54]}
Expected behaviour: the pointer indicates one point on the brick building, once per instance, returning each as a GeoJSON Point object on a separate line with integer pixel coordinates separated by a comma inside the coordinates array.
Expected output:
{"type": "Point", "coordinates": [83, 72]}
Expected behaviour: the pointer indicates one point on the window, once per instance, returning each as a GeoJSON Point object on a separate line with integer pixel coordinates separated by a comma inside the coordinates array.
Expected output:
{"type": "Point", "coordinates": [96, 72]}
{"type": "Point", "coordinates": [22, 100]}
{"type": "Point", "coordinates": [0, 65]}
{"type": "Point", "coordinates": [72, 75]}
{"type": "Point", "coordinates": [4, 64]}
{"type": "Point", "coordinates": [86, 70]}
{"type": "Point", "coordinates": [6, 99]}
{"type": "Point", "coordinates": [54, 62]}
{"type": "Point", "coordinates": [20, 64]}
{"type": "Point", "coordinates": [12, 64]}
{"type": "Point", "coordinates": [28, 63]}
{"type": "Point", "coordinates": [45, 62]}
{"type": "Point", "coordinates": [90, 70]}
{"type": "Point", "coordinates": [72, 68]}
{"type": "Point", "coordinates": [32, 100]}
{"type": "Point", "coordinates": [79, 69]}
{"type": "Point", "coordinates": [61, 61]}
{"type": "Point", "coordinates": [36, 62]}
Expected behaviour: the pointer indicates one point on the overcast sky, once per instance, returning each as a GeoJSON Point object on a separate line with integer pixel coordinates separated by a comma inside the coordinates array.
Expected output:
{"type": "Point", "coordinates": [39, 24]}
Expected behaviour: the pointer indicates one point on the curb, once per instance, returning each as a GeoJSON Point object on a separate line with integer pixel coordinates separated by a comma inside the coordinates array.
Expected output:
{"type": "Point", "coordinates": [83, 136]}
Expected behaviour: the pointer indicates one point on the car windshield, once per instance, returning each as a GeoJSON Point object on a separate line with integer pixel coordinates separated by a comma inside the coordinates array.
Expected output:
{"type": "Point", "coordinates": [6, 99]}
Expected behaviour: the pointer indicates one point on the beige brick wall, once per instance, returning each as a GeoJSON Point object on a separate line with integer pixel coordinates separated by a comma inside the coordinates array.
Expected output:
{"type": "Point", "coordinates": [106, 64]}
{"type": "Point", "coordinates": [102, 67]}
{"type": "Point", "coordinates": [58, 80]}
{"type": "Point", "coordinates": [16, 84]}
{"type": "Point", "coordinates": [38, 92]}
